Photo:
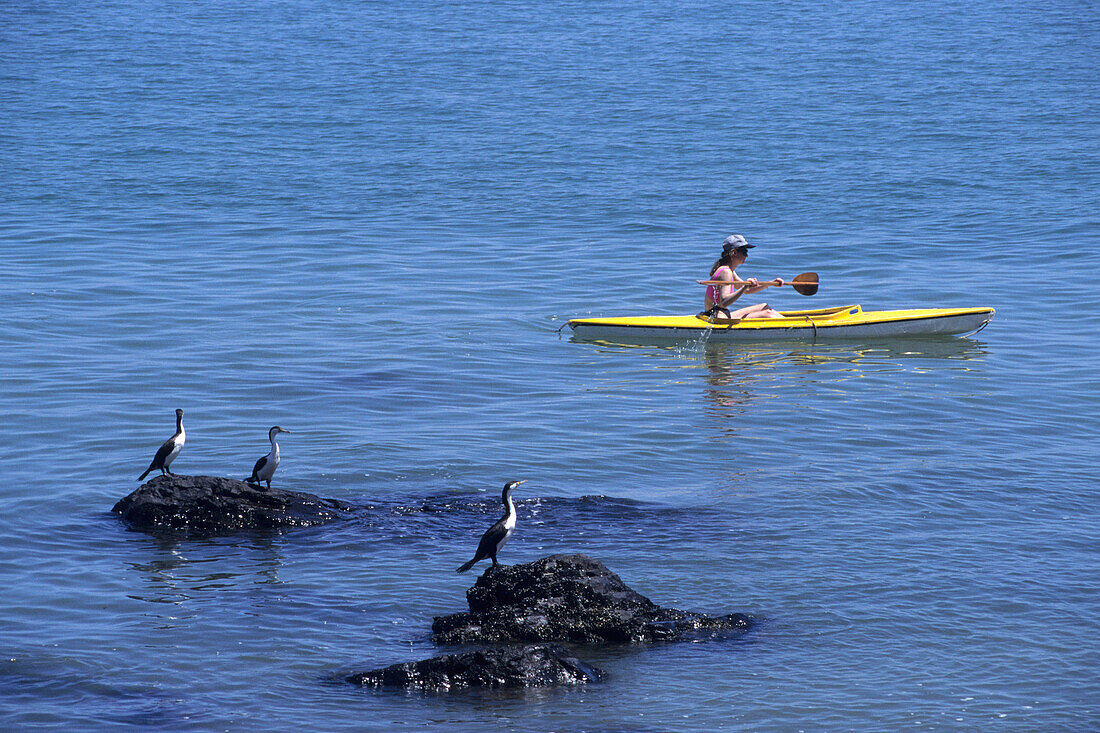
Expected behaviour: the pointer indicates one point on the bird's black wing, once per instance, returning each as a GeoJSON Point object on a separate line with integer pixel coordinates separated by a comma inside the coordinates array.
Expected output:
{"type": "Point", "coordinates": [162, 452]}
{"type": "Point", "coordinates": [491, 539]}
{"type": "Point", "coordinates": [259, 466]}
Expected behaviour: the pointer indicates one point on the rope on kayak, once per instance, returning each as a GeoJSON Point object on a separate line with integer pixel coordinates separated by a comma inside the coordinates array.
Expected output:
{"type": "Point", "coordinates": [979, 328]}
{"type": "Point", "coordinates": [811, 320]}
{"type": "Point", "coordinates": [562, 326]}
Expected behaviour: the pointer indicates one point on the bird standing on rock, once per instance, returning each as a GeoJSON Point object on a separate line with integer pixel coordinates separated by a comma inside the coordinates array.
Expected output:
{"type": "Point", "coordinates": [495, 537]}
{"type": "Point", "coordinates": [168, 451]}
{"type": "Point", "coordinates": [265, 467]}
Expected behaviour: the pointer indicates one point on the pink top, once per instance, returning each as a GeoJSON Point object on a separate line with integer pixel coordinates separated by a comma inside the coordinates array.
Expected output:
{"type": "Point", "coordinates": [713, 296]}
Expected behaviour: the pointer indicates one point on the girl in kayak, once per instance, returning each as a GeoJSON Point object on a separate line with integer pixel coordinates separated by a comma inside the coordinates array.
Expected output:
{"type": "Point", "coordinates": [735, 250]}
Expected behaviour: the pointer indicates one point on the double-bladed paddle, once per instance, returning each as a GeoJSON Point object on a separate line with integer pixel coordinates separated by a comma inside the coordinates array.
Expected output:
{"type": "Point", "coordinates": [805, 284]}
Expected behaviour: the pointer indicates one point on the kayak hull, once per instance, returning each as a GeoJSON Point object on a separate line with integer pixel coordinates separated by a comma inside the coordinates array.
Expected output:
{"type": "Point", "coordinates": [846, 322]}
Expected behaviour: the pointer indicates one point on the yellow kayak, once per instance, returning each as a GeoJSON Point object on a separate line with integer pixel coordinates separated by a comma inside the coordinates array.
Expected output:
{"type": "Point", "coordinates": [845, 322]}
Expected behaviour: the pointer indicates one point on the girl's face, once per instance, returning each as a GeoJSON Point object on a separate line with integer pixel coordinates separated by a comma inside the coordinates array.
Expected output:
{"type": "Point", "coordinates": [738, 257]}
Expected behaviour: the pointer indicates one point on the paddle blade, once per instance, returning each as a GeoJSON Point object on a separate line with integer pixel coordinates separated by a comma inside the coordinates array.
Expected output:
{"type": "Point", "coordinates": [806, 283]}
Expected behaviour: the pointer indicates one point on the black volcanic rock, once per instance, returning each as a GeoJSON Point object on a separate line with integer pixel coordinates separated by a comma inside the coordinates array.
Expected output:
{"type": "Point", "coordinates": [540, 665]}
{"type": "Point", "coordinates": [212, 505]}
{"type": "Point", "coordinates": [570, 598]}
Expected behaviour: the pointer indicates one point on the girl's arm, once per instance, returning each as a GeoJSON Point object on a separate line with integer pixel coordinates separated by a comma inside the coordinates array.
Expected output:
{"type": "Point", "coordinates": [736, 288]}
{"type": "Point", "coordinates": [726, 301]}
{"type": "Point", "coordinates": [754, 286]}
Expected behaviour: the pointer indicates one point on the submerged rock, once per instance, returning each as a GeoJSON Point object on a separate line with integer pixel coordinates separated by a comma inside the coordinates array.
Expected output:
{"type": "Point", "coordinates": [212, 505]}
{"type": "Point", "coordinates": [570, 598]}
{"type": "Point", "coordinates": [540, 665]}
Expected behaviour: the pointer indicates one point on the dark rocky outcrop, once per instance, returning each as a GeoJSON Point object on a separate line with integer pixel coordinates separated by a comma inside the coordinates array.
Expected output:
{"type": "Point", "coordinates": [211, 505]}
{"type": "Point", "coordinates": [540, 665]}
{"type": "Point", "coordinates": [570, 598]}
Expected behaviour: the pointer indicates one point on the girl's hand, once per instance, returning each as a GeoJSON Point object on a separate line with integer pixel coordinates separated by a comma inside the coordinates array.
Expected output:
{"type": "Point", "coordinates": [779, 282]}
{"type": "Point", "coordinates": [752, 281]}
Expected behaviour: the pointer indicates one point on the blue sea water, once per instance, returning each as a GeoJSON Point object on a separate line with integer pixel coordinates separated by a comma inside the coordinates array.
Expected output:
{"type": "Point", "coordinates": [366, 222]}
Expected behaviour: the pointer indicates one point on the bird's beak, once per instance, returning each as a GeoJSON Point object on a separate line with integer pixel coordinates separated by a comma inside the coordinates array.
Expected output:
{"type": "Point", "coordinates": [521, 482]}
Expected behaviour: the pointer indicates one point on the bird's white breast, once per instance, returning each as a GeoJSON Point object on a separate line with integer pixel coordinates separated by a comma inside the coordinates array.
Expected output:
{"type": "Point", "coordinates": [177, 446]}
{"type": "Point", "coordinates": [509, 527]}
{"type": "Point", "coordinates": [272, 463]}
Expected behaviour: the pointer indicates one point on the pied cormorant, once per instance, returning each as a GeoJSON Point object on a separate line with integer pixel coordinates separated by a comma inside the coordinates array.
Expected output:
{"type": "Point", "coordinates": [168, 451]}
{"type": "Point", "coordinates": [265, 467]}
{"type": "Point", "coordinates": [495, 537]}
